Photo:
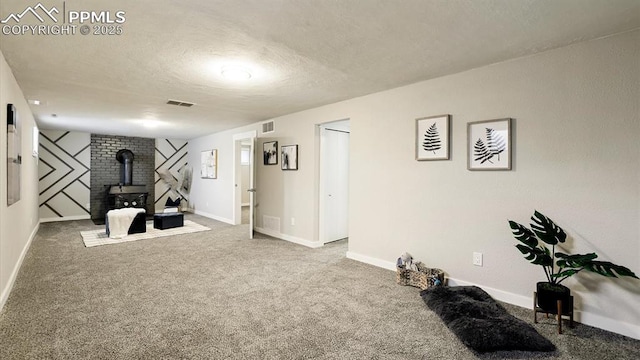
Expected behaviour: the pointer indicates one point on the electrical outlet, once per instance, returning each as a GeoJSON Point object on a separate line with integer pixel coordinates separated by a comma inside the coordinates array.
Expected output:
{"type": "Point", "coordinates": [477, 259]}
{"type": "Point", "coordinates": [293, 221]}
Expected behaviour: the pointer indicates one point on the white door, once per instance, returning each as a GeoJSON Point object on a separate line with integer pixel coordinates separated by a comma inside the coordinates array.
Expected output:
{"type": "Point", "coordinates": [335, 176]}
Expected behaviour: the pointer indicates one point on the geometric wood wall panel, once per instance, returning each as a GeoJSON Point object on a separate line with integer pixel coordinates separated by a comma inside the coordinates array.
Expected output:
{"type": "Point", "coordinates": [170, 154]}
{"type": "Point", "coordinates": [64, 173]}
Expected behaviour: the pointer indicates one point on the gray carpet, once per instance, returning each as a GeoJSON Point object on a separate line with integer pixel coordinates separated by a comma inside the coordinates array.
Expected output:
{"type": "Point", "coordinates": [216, 295]}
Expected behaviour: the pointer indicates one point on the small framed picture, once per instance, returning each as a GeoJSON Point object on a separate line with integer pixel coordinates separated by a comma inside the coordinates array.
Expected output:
{"type": "Point", "coordinates": [489, 145]}
{"type": "Point", "coordinates": [14, 159]}
{"type": "Point", "coordinates": [289, 157]}
{"type": "Point", "coordinates": [270, 152]}
{"type": "Point", "coordinates": [209, 164]}
{"type": "Point", "coordinates": [432, 137]}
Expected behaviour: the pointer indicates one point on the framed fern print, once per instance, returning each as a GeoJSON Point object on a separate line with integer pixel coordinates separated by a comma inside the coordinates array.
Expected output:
{"type": "Point", "coordinates": [489, 145]}
{"type": "Point", "coordinates": [432, 138]}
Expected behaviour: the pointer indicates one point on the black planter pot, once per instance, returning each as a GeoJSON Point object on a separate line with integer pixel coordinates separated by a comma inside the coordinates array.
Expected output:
{"type": "Point", "coordinates": [549, 294]}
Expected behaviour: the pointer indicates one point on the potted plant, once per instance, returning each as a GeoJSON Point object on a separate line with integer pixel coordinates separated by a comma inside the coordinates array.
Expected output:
{"type": "Point", "coordinates": [557, 266]}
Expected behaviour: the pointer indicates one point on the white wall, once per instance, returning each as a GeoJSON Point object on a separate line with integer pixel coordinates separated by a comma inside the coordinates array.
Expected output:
{"type": "Point", "coordinates": [576, 158]}
{"type": "Point", "coordinates": [19, 222]}
{"type": "Point", "coordinates": [215, 197]}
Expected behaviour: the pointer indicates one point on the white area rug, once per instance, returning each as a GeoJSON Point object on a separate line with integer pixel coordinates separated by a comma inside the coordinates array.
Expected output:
{"type": "Point", "coordinates": [99, 237]}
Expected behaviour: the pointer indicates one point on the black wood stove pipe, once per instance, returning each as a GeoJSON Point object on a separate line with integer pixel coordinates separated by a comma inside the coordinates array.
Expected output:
{"type": "Point", "coordinates": [125, 157]}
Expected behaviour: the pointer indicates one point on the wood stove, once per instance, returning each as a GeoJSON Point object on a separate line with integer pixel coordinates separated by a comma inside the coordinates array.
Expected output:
{"type": "Point", "coordinates": [125, 194]}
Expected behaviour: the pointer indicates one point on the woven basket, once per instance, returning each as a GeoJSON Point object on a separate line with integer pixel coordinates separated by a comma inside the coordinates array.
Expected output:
{"type": "Point", "coordinates": [423, 278]}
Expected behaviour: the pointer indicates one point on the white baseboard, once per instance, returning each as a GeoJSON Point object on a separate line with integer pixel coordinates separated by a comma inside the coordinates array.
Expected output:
{"type": "Point", "coordinates": [501, 295]}
{"type": "Point", "coordinates": [14, 274]}
{"type": "Point", "coordinates": [605, 323]}
{"type": "Point", "coordinates": [371, 261]}
{"type": "Point", "coordinates": [582, 317]}
{"type": "Point", "coordinates": [289, 238]}
{"type": "Point", "coordinates": [214, 217]}
{"type": "Point", "coordinates": [66, 218]}
{"type": "Point", "coordinates": [616, 326]}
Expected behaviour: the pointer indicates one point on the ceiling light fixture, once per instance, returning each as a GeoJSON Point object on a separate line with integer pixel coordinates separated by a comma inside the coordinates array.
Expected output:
{"type": "Point", "coordinates": [150, 123]}
{"type": "Point", "coordinates": [235, 73]}
{"type": "Point", "coordinates": [34, 102]}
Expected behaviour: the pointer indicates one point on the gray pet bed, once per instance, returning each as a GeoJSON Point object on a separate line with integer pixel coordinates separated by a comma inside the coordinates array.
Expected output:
{"type": "Point", "coordinates": [480, 322]}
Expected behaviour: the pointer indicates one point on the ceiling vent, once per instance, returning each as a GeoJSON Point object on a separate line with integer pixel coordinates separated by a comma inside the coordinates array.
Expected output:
{"type": "Point", "coordinates": [268, 127]}
{"type": "Point", "coordinates": [180, 103]}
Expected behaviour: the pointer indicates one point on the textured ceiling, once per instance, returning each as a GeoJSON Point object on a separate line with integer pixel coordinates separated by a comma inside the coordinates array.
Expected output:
{"type": "Point", "coordinates": [302, 54]}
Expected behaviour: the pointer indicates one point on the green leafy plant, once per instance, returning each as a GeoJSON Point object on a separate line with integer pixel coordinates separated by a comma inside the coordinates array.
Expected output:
{"type": "Point", "coordinates": [558, 266]}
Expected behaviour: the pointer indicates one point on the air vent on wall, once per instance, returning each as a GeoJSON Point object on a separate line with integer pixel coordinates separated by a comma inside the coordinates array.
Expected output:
{"type": "Point", "coordinates": [271, 223]}
{"type": "Point", "coordinates": [267, 127]}
{"type": "Point", "coordinates": [180, 103]}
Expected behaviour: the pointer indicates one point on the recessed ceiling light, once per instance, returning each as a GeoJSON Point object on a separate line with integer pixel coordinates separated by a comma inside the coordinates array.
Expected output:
{"type": "Point", "coordinates": [235, 73]}
{"type": "Point", "coordinates": [34, 102]}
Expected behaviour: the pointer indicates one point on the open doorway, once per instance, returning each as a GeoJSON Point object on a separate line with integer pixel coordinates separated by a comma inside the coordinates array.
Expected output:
{"type": "Point", "coordinates": [244, 183]}
{"type": "Point", "coordinates": [244, 180]}
{"type": "Point", "coordinates": [334, 181]}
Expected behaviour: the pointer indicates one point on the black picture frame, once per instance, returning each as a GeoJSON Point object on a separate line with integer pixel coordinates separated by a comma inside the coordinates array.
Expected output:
{"type": "Point", "coordinates": [270, 153]}
{"type": "Point", "coordinates": [289, 156]}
